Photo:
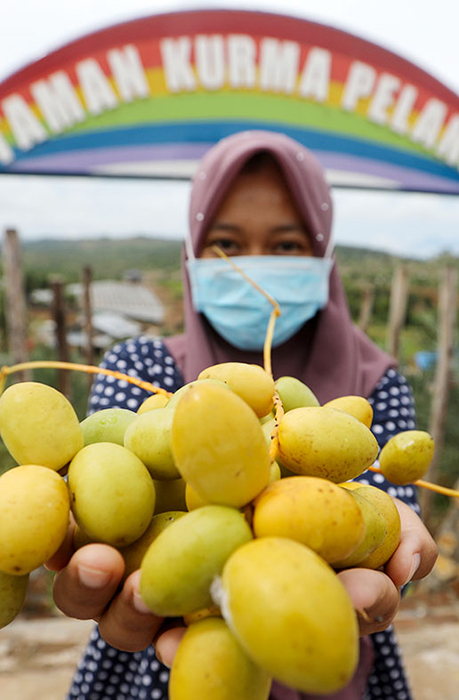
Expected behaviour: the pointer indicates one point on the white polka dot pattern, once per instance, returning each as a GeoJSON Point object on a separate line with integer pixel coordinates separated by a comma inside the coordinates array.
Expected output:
{"type": "Point", "coordinates": [130, 358]}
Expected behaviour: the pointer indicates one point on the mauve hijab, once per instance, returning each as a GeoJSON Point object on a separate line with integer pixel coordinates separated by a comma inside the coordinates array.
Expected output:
{"type": "Point", "coordinates": [329, 353]}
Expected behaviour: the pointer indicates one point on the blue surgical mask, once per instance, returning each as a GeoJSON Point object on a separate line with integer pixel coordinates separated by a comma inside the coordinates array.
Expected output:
{"type": "Point", "coordinates": [240, 313]}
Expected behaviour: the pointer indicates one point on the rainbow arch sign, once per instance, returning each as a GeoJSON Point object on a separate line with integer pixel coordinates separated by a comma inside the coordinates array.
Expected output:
{"type": "Point", "coordinates": [147, 98]}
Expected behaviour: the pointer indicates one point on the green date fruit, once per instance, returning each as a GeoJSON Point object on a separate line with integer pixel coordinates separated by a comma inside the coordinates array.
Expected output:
{"type": "Point", "coordinates": [181, 562]}
{"type": "Point", "coordinates": [387, 508]}
{"type": "Point", "coordinates": [294, 393]}
{"type": "Point", "coordinates": [112, 493]}
{"type": "Point", "coordinates": [135, 552]}
{"type": "Point", "coordinates": [13, 591]}
{"type": "Point", "coordinates": [406, 457]}
{"type": "Point", "coordinates": [108, 425]}
{"type": "Point", "coordinates": [375, 532]}
{"type": "Point", "coordinates": [149, 438]}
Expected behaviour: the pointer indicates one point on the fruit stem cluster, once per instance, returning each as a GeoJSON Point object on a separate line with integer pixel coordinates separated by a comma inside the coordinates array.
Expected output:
{"type": "Point", "coordinates": [89, 369]}
{"type": "Point", "coordinates": [278, 415]}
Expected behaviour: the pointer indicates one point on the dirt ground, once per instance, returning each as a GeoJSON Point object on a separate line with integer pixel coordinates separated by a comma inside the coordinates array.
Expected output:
{"type": "Point", "coordinates": [38, 655]}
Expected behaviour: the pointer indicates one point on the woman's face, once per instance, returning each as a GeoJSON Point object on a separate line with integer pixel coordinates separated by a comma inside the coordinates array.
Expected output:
{"type": "Point", "coordinates": [258, 217]}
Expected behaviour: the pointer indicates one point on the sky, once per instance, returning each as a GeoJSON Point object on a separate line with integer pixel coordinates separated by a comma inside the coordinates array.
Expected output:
{"type": "Point", "coordinates": [404, 224]}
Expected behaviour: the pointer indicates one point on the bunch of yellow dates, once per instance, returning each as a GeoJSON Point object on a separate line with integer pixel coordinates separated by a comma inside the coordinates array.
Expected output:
{"type": "Point", "coordinates": [234, 496]}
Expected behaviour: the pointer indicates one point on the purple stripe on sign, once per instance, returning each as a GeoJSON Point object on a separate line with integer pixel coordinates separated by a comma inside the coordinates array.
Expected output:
{"type": "Point", "coordinates": [406, 177]}
{"type": "Point", "coordinates": [85, 161]}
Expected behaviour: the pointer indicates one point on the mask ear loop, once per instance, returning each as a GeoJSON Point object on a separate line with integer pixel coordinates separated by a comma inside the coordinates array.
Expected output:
{"type": "Point", "coordinates": [330, 248]}
{"type": "Point", "coordinates": [189, 248]}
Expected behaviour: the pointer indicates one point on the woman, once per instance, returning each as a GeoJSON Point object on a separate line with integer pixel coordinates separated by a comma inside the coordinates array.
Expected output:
{"type": "Point", "coordinates": [256, 195]}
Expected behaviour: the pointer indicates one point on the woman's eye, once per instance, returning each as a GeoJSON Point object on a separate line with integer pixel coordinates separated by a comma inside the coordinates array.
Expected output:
{"type": "Point", "coordinates": [291, 247]}
{"type": "Point", "coordinates": [288, 245]}
{"type": "Point", "coordinates": [227, 245]}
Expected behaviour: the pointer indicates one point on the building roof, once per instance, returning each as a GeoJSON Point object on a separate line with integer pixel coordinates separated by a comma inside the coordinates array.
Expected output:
{"type": "Point", "coordinates": [115, 325]}
{"type": "Point", "coordinates": [135, 301]}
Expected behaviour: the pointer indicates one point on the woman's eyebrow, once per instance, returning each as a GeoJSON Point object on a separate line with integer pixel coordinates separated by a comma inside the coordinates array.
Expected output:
{"type": "Point", "coordinates": [223, 226]}
{"type": "Point", "coordinates": [281, 228]}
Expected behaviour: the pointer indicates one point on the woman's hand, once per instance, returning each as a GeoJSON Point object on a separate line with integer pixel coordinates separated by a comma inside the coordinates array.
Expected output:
{"type": "Point", "coordinates": [87, 586]}
{"type": "Point", "coordinates": [376, 594]}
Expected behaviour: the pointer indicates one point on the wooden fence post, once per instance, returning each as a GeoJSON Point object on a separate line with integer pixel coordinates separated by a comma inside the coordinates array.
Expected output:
{"type": "Point", "coordinates": [397, 311]}
{"type": "Point", "coordinates": [15, 301]}
{"type": "Point", "coordinates": [57, 287]}
{"type": "Point", "coordinates": [447, 305]}
{"type": "Point", "coordinates": [366, 308]}
{"type": "Point", "coordinates": [87, 314]}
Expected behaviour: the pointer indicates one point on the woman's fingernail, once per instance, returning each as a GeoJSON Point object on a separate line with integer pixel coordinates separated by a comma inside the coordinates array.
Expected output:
{"type": "Point", "coordinates": [415, 563]}
{"type": "Point", "coordinates": [93, 578]}
{"type": "Point", "coordinates": [161, 660]}
{"type": "Point", "coordinates": [140, 605]}
{"type": "Point", "coordinates": [159, 657]}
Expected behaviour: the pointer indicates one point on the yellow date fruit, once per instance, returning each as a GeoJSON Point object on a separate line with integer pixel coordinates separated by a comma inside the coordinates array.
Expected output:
{"type": "Point", "coordinates": [291, 614]}
{"type": "Point", "coordinates": [325, 442]}
{"type": "Point", "coordinates": [39, 425]}
{"type": "Point", "coordinates": [312, 511]}
{"type": "Point", "coordinates": [251, 382]}
{"type": "Point", "coordinates": [193, 499]}
{"type": "Point", "coordinates": [211, 665]}
{"type": "Point", "coordinates": [34, 517]}
{"type": "Point", "coordinates": [177, 395]}
{"type": "Point", "coordinates": [111, 493]}
{"type": "Point", "coordinates": [219, 446]}
{"type": "Point", "coordinates": [180, 564]}
{"type": "Point", "coordinates": [154, 401]}
{"type": "Point", "coordinates": [356, 406]}
{"type": "Point", "coordinates": [406, 457]}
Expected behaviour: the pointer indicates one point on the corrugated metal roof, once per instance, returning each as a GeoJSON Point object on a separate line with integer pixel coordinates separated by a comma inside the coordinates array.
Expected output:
{"type": "Point", "coordinates": [115, 325]}
{"type": "Point", "coordinates": [132, 300]}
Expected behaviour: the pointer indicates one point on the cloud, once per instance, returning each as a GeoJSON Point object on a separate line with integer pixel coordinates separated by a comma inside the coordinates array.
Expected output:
{"type": "Point", "coordinates": [80, 207]}
{"type": "Point", "coordinates": [407, 224]}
